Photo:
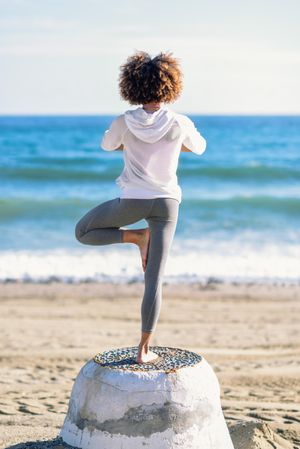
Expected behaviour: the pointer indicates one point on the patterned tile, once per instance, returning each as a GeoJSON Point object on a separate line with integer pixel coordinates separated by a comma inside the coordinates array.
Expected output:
{"type": "Point", "coordinates": [170, 359]}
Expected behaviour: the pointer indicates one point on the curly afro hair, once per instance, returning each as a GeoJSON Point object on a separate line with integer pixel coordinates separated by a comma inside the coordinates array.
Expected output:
{"type": "Point", "coordinates": [144, 80]}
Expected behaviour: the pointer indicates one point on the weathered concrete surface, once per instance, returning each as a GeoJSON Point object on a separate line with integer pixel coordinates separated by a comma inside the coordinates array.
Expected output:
{"type": "Point", "coordinates": [123, 409]}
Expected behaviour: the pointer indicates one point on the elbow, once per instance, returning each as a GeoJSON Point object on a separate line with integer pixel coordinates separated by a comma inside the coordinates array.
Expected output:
{"type": "Point", "coordinates": [201, 146]}
{"type": "Point", "coordinates": [106, 142]}
{"type": "Point", "coordinates": [104, 146]}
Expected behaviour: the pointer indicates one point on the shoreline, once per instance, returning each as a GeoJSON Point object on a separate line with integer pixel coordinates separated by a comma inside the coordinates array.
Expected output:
{"type": "Point", "coordinates": [168, 281]}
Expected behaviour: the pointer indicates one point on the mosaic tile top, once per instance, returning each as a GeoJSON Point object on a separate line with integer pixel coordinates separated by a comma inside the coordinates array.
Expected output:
{"type": "Point", "coordinates": [170, 359]}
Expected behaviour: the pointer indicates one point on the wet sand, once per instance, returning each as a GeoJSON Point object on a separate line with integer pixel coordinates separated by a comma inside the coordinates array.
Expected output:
{"type": "Point", "coordinates": [250, 334]}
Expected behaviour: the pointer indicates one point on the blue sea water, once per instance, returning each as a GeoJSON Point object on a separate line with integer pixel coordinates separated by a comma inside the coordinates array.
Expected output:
{"type": "Point", "coordinates": [239, 217]}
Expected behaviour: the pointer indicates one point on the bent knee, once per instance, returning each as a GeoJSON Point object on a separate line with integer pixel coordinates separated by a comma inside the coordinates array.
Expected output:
{"type": "Point", "coordinates": [79, 231]}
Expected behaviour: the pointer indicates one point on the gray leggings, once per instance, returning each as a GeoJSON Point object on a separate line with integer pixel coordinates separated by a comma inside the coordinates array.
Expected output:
{"type": "Point", "coordinates": [101, 226]}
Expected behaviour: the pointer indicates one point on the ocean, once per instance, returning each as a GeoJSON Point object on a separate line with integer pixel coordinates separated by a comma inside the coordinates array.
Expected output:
{"type": "Point", "coordinates": [239, 220]}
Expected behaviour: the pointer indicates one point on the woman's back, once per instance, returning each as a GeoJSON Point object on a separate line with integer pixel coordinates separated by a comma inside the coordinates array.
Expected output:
{"type": "Point", "coordinates": [152, 144]}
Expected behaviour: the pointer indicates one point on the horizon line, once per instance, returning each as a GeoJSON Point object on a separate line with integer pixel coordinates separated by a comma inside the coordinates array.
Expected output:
{"type": "Point", "coordinates": [108, 114]}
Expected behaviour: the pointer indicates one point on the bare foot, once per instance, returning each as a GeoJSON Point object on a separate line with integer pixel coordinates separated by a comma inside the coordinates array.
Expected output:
{"type": "Point", "coordinates": [146, 357]}
{"type": "Point", "coordinates": [143, 244]}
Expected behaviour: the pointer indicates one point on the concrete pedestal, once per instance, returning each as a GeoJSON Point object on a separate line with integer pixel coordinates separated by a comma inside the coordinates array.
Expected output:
{"type": "Point", "coordinates": [119, 404]}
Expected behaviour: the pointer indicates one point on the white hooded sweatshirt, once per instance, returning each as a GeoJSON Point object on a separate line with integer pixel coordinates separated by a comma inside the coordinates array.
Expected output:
{"type": "Point", "coordinates": [152, 143]}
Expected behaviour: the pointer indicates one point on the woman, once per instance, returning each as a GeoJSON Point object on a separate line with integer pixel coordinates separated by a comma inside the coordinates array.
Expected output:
{"type": "Point", "coordinates": [152, 137]}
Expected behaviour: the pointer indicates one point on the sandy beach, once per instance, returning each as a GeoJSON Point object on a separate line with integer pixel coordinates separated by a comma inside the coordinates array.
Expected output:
{"type": "Point", "coordinates": [249, 333]}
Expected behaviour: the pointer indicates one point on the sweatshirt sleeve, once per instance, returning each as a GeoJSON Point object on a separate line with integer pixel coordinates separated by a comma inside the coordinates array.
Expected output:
{"type": "Point", "coordinates": [193, 140]}
{"type": "Point", "coordinates": [113, 137]}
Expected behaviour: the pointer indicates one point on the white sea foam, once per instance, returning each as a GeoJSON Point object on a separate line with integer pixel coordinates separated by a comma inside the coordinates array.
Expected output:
{"type": "Point", "coordinates": [194, 261]}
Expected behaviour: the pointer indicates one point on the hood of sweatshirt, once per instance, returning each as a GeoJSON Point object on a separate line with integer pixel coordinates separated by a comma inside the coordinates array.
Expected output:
{"type": "Point", "coordinates": [149, 127]}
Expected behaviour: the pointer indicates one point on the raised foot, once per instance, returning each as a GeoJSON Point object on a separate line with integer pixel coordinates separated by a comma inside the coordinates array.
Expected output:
{"type": "Point", "coordinates": [147, 357]}
{"type": "Point", "coordinates": [143, 244]}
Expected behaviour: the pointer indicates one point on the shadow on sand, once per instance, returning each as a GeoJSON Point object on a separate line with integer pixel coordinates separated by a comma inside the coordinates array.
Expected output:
{"type": "Point", "coordinates": [56, 443]}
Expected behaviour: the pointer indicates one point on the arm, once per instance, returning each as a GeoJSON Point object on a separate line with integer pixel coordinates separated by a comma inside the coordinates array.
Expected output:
{"type": "Point", "coordinates": [113, 137]}
{"type": "Point", "coordinates": [193, 141]}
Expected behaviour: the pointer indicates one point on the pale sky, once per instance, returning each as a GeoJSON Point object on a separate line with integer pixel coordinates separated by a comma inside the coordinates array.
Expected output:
{"type": "Point", "coordinates": [63, 56]}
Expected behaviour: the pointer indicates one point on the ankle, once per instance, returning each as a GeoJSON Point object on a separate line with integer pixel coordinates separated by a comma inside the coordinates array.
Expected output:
{"type": "Point", "coordinates": [130, 236]}
{"type": "Point", "coordinates": [144, 347]}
